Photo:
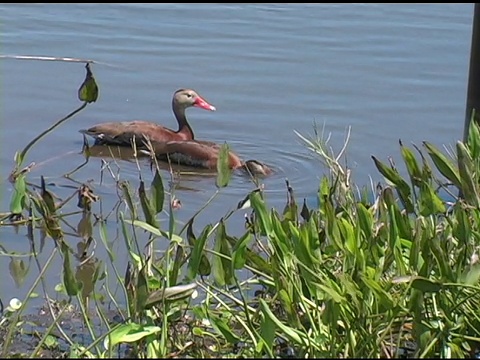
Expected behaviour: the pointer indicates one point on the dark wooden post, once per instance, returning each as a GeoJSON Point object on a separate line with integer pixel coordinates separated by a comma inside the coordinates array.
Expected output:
{"type": "Point", "coordinates": [473, 94]}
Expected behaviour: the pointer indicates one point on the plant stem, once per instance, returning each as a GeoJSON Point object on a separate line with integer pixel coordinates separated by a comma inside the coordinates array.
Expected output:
{"type": "Point", "coordinates": [50, 129]}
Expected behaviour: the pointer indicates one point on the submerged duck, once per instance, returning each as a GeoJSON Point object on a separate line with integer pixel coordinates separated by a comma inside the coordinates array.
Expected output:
{"type": "Point", "coordinates": [122, 133]}
{"type": "Point", "coordinates": [204, 154]}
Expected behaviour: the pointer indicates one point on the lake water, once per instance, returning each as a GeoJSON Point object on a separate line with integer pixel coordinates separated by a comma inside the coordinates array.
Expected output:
{"type": "Point", "coordinates": [389, 71]}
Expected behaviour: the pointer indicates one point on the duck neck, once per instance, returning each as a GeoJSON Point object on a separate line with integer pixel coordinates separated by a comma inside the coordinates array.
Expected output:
{"type": "Point", "coordinates": [183, 125]}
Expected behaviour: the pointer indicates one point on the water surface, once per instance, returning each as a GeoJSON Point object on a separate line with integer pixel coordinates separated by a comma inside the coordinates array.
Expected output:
{"type": "Point", "coordinates": [389, 71]}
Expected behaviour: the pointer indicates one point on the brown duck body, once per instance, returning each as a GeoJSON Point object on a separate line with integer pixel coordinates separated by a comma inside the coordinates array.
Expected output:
{"type": "Point", "coordinates": [204, 154]}
{"type": "Point", "coordinates": [122, 133]}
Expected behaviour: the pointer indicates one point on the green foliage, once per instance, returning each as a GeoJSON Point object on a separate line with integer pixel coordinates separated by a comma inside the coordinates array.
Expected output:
{"type": "Point", "coordinates": [355, 277]}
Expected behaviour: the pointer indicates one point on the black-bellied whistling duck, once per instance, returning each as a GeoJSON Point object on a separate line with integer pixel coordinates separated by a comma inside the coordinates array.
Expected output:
{"type": "Point", "coordinates": [204, 154]}
{"type": "Point", "coordinates": [122, 133]}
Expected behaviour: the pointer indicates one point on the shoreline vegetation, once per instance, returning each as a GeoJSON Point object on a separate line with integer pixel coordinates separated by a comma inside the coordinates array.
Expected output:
{"type": "Point", "coordinates": [383, 272]}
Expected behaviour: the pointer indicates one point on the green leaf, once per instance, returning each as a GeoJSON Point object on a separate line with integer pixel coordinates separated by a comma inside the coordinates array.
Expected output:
{"type": "Point", "coordinates": [467, 175]}
{"type": "Point", "coordinates": [282, 240]}
{"type": "Point", "coordinates": [287, 304]}
{"type": "Point", "coordinates": [267, 333]}
{"type": "Point", "coordinates": [224, 172]}
{"type": "Point", "coordinates": [198, 262]}
{"type": "Point", "coordinates": [443, 165]}
{"type": "Point", "coordinates": [473, 141]}
{"type": "Point", "coordinates": [323, 189]}
{"type": "Point", "coordinates": [47, 197]}
{"type": "Point", "coordinates": [19, 194]}
{"type": "Point", "coordinates": [221, 261]}
{"type": "Point", "coordinates": [462, 228]}
{"type": "Point", "coordinates": [178, 263]}
{"type": "Point", "coordinates": [158, 193]}
{"type": "Point", "coordinates": [290, 332]}
{"type": "Point", "coordinates": [429, 201]}
{"type": "Point", "coordinates": [239, 251]}
{"type": "Point", "coordinates": [127, 195]}
{"type": "Point", "coordinates": [222, 328]}
{"type": "Point", "coordinates": [425, 285]}
{"type": "Point", "coordinates": [261, 211]}
{"type": "Point", "coordinates": [332, 293]}
{"type": "Point", "coordinates": [88, 91]}
{"type": "Point", "coordinates": [427, 174]}
{"type": "Point", "coordinates": [331, 225]}
{"type": "Point", "coordinates": [411, 163]}
{"type": "Point", "coordinates": [171, 293]}
{"type": "Point", "coordinates": [253, 258]}
{"type": "Point", "coordinates": [217, 267]}
{"type": "Point", "coordinates": [129, 333]}
{"type": "Point", "coordinates": [365, 220]}
{"type": "Point", "coordinates": [302, 244]}
{"type": "Point", "coordinates": [71, 285]}
{"type": "Point", "coordinates": [400, 184]}
{"type": "Point", "coordinates": [154, 230]}
{"type": "Point", "coordinates": [148, 211]}
{"type": "Point", "coordinates": [141, 291]}
{"type": "Point", "coordinates": [348, 235]}
{"type": "Point", "coordinates": [378, 289]}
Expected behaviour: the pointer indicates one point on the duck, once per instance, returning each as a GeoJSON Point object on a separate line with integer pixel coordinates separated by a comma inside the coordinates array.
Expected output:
{"type": "Point", "coordinates": [204, 154]}
{"type": "Point", "coordinates": [122, 133]}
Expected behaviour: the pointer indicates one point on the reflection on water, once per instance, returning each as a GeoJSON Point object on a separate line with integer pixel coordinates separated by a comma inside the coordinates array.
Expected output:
{"type": "Point", "coordinates": [129, 154]}
{"type": "Point", "coordinates": [115, 152]}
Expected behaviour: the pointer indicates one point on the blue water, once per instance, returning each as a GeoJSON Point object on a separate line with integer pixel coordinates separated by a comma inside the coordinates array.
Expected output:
{"type": "Point", "coordinates": [389, 71]}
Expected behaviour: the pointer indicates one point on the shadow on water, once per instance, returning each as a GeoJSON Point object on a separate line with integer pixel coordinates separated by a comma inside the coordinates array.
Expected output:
{"type": "Point", "coordinates": [130, 155]}
{"type": "Point", "coordinates": [186, 173]}
{"type": "Point", "coordinates": [179, 175]}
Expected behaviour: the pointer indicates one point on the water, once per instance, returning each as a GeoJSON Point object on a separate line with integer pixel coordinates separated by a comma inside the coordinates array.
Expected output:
{"type": "Point", "coordinates": [389, 71]}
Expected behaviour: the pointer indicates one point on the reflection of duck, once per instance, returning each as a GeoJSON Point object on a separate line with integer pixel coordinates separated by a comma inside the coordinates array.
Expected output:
{"type": "Point", "coordinates": [121, 133]}
{"type": "Point", "coordinates": [204, 154]}
{"type": "Point", "coordinates": [112, 152]}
